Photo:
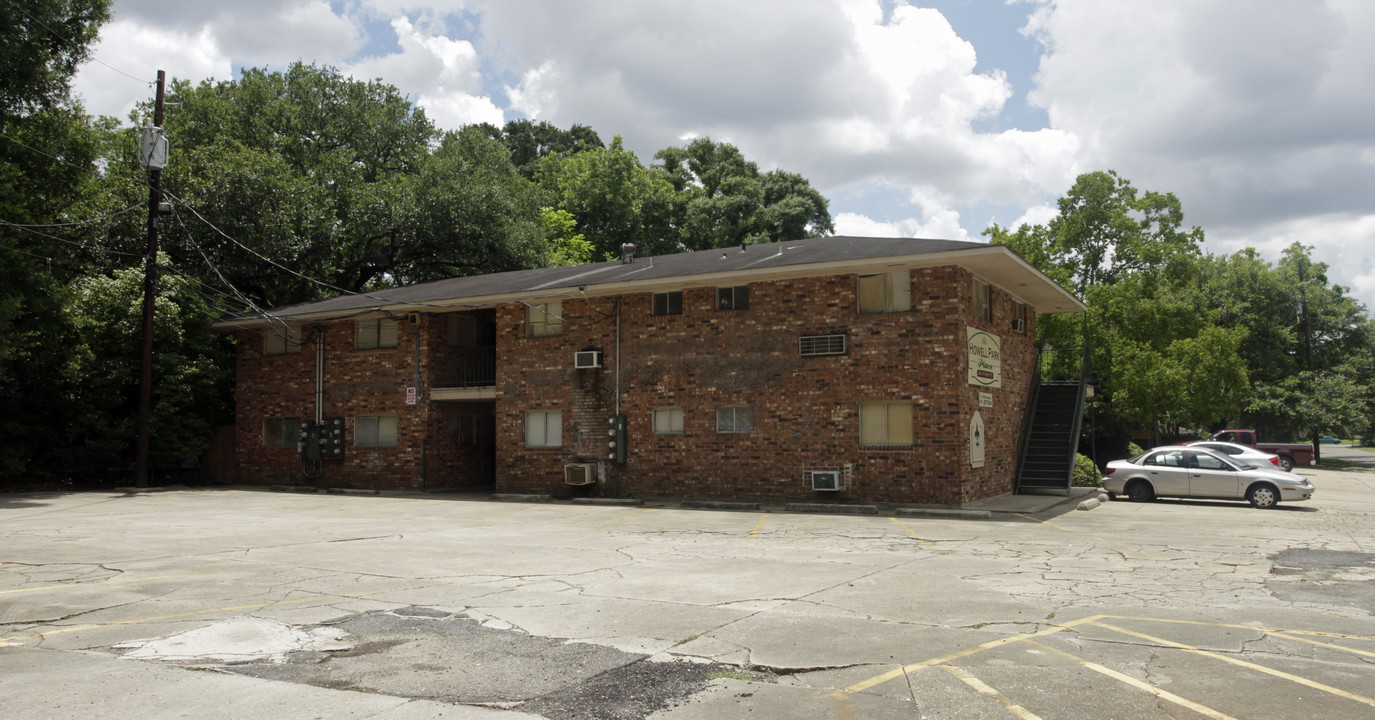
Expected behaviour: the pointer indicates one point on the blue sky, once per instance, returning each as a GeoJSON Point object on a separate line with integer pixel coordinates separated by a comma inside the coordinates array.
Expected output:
{"type": "Point", "coordinates": [926, 119]}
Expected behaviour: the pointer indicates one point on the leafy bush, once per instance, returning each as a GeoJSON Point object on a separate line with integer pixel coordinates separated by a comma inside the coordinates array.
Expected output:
{"type": "Point", "coordinates": [1133, 449]}
{"type": "Point", "coordinates": [1086, 472]}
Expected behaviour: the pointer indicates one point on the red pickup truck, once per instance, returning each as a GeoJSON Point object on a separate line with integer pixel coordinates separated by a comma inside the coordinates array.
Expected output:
{"type": "Point", "coordinates": [1291, 454]}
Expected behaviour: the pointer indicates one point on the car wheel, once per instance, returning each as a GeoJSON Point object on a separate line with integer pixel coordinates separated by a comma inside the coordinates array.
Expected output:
{"type": "Point", "coordinates": [1286, 463]}
{"type": "Point", "coordinates": [1263, 496]}
{"type": "Point", "coordinates": [1140, 491]}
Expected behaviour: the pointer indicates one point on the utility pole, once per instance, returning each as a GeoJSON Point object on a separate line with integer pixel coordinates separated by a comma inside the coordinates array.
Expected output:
{"type": "Point", "coordinates": [1308, 348]}
{"type": "Point", "coordinates": [150, 279]}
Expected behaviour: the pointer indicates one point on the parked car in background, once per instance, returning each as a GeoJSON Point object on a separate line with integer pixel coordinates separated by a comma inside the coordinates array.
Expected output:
{"type": "Point", "coordinates": [1245, 453]}
{"type": "Point", "coordinates": [1290, 454]}
{"type": "Point", "coordinates": [1329, 440]}
{"type": "Point", "coordinates": [1196, 472]}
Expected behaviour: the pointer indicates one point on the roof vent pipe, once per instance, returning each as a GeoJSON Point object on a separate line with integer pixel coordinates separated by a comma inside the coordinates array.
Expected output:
{"type": "Point", "coordinates": [627, 253]}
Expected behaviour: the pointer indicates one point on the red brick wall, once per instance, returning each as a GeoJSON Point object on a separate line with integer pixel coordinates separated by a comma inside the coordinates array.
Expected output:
{"type": "Point", "coordinates": [804, 411]}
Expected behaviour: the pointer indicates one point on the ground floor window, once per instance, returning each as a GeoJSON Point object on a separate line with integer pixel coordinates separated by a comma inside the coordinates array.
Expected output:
{"type": "Point", "coordinates": [885, 423]}
{"type": "Point", "coordinates": [281, 432]}
{"type": "Point", "coordinates": [374, 431]}
{"type": "Point", "coordinates": [668, 420]}
{"type": "Point", "coordinates": [544, 429]}
{"type": "Point", "coordinates": [733, 420]}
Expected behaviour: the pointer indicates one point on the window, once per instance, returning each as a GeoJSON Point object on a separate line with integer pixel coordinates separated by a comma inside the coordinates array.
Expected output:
{"type": "Point", "coordinates": [374, 334]}
{"type": "Point", "coordinates": [281, 339]}
{"type": "Point", "coordinates": [668, 420]}
{"type": "Point", "coordinates": [733, 298]}
{"type": "Point", "coordinates": [983, 301]}
{"type": "Point", "coordinates": [733, 420]}
{"type": "Point", "coordinates": [544, 319]}
{"type": "Point", "coordinates": [1171, 458]}
{"type": "Point", "coordinates": [374, 431]}
{"type": "Point", "coordinates": [281, 432]}
{"type": "Point", "coordinates": [813, 345]}
{"type": "Point", "coordinates": [885, 423]}
{"type": "Point", "coordinates": [885, 292]}
{"type": "Point", "coordinates": [1019, 317]}
{"type": "Point", "coordinates": [668, 303]}
{"type": "Point", "coordinates": [544, 429]}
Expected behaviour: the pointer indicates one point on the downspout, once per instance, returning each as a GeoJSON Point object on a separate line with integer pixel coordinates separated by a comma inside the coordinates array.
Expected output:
{"type": "Point", "coordinates": [319, 376]}
{"type": "Point", "coordinates": [424, 442]}
{"type": "Point", "coordinates": [618, 356]}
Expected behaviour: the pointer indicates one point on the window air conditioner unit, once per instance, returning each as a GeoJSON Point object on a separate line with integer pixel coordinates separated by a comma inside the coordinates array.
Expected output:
{"type": "Point", "coordinates": [586, 359]}
{"type": "Point", "coordinates": [580, 473]}
{"type": "Point", "coordinates": [826, 480]}
{"type": "Point", "coordinates": [1018, 325]}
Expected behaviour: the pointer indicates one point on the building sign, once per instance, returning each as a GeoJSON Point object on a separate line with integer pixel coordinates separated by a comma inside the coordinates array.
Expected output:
{"type": "Point", "coordinates": [977, 440]}
{"type": "Point", "coordinates": [410, 396]}
{"type": "Point", "coordinates": [985, 399]}
{"type": "Point", "coordinates": [985, 359]}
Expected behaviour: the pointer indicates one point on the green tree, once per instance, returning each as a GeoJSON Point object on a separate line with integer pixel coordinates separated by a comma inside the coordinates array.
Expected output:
{"type": "Point", "coordinates": [194, 372]}
{"type": "Point", "coordinates": [41, 44]}
{"type": "Point", "coordinates": [723, 200]}
{"type": "Point", "coordinates": [530, 141]}
{"type": "Point", "coordinates": [48, 149]}
{"type": "Point", "coordinates": [613, 198]}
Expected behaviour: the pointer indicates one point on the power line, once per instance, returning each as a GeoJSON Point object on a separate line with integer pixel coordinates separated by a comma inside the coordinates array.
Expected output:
{"type": "Point", "coordinates": [68, 38]}
{"type": "Point", "coordinates": [25, 226]}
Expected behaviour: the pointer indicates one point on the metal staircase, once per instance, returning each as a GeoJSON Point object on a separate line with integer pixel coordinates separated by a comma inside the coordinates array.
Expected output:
{"type": "Point", "coordinates": [1050, 435]}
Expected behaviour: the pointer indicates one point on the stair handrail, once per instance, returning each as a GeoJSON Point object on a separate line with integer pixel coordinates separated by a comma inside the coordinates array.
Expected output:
{"type": "Point", "coordinates": [1084, 369]}
{"type": "Point", "coordinates": [1032, 396]}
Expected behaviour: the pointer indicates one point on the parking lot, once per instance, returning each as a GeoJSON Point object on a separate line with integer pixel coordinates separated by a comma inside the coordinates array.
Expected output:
{"type": "Point", "coordinates": [244, 602]}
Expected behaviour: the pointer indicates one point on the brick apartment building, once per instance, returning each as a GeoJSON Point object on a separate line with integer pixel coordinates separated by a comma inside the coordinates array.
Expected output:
{"type": "Point", "coordinates": [841, 368]}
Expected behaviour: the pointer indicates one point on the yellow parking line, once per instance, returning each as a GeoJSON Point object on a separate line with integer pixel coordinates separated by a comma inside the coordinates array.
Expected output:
{"type": "Point", "coordinates": [1330, 646]}
{"type": "Point", "coordinates": [613, 522]}
{"type": "Point", "coordinates": [910, 531]}
{"type": "Point", "coordinates": [124, 579]}
{"type": "Point", "coordinates": [1259, 628]}
{"type": "Point", "coordinates": [946, 658]}
{"type": "Point", "coordinates": [17, 640]}
{"type": "Point", "coordinates": [987, 691]}
{"type": "Point", "coordinates": [1139, 684]}
{"type": "Point", "coordinates": [840, 700]}
{"type": "Point", "coordinates": [1095, 537]}
{"type": "Point", "coordinates": [1242, 663]}
{"type": "Point", "coordinates": [758, 525]}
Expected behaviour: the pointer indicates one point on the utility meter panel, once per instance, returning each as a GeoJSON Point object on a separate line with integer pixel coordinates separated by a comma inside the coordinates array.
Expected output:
{"type": "Point", "coordinates": [322, 441]}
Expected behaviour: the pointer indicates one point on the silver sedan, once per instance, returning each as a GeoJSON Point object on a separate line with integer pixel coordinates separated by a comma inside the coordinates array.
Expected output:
{"type": "Point", "coordinates": [1195, 472]}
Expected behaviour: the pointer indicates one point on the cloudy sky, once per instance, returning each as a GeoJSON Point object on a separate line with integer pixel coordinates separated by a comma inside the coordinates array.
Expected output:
{"type": "Point", "coordinates": [922, 119]}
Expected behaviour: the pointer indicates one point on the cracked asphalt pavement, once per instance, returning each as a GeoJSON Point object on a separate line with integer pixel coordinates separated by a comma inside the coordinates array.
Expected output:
{"type": "Point", "coordinates": [240, 603]}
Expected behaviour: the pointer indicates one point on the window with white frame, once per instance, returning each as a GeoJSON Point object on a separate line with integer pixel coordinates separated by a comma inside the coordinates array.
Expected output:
{"type": "Point", "coordinates": [983, 301]}
{"type": "Point", "coordinates": [281, 339]}
{"type": "Point", "coordinates": [374, 334]}
{"type": "Point", "coordinates": [733, 420]}
{"type": "Point", "coordinates": [885, 423]}
{"type": "Point", "coordinates": [374, 431]}
{"type": "Point", "coordinates": [281, 432]}
{"type": "Point", "coordinates": [1019, 317]}
{"type": "Point", "coordinates": [544, 429]}
{"type": "Point", "coordinates": [544, 319]}
{"type": "Point", "coordinates": [668, 420]}
{"type": "Point", "coordinates": [733, 298]}
{"type": "Point", "coordinates": [668, 303]}
{"type": "Point", "coordinates": [885, 292]}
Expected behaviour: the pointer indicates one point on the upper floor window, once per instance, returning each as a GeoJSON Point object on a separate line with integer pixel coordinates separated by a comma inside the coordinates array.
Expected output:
{"type": "Point", "coordinates": [281, 339]}
{"type": "Point", "coordinates": [1019, 317]}
{"type": "Point", "coordinates": [374, 334]}
{"type": "Point", "coordinates": [733, 420]}
{"type": "Point", "coordinates": [885, 292]}
{"type": "Point", "coordinates": [733, 298]}
{"type": "Point", "coordinates": [983, 301]}
{"type": "Point", "coordinates": [668, 303]}
{"type": "Point", "coordinates": [544, 319]}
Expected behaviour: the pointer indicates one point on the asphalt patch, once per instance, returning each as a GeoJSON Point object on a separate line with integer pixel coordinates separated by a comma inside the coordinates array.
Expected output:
{"type": "Point", "coordinates": [434, 655]}
{"type": "Point", "coordinates": [1328, 577]}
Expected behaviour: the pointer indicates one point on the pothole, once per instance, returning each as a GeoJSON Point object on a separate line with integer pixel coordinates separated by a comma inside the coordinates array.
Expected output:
{"type": "Point", "coordinates": [435, 655]}
{"type": "Point", "coordinates": [1328, 577]}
